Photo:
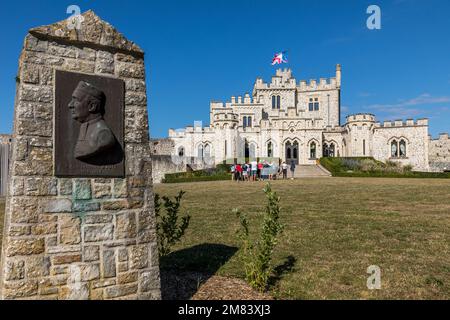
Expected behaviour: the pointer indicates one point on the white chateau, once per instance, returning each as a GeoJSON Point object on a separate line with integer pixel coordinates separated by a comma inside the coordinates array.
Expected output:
{"type": "Point", "coordinates": [299, 120]}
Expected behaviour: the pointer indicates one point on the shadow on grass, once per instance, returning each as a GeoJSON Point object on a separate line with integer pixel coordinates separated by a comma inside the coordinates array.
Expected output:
{"type": "Point", "coordinates": [183, 271]}
{"type": "Point", "coordinates": [281, 270]}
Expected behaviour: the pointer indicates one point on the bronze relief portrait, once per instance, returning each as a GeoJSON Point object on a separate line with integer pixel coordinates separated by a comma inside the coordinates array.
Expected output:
{"type": "Point", "coordinates": [88, 126]}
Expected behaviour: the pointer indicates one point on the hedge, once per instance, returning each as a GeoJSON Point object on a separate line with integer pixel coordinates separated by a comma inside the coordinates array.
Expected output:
{"type": "Point", "coordinates": [338, 168]}
{"type": "Point", "coordinates": [170, 179]}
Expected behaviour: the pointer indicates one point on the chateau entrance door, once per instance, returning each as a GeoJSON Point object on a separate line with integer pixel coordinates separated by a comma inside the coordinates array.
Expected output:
{"type": "Point", "coordinates": [291, 152]}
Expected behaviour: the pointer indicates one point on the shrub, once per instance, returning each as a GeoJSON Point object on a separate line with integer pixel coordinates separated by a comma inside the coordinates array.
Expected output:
{"type": "Point", "coordinates": [168, 230]}
{"type": "Point", "coordinates": [257, 256]}
{"type": "Point", "coordinates": [407, 168]}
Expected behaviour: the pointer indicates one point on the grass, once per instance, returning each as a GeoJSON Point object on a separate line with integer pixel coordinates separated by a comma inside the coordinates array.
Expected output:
{"type": "Point", "coordinates": [335, 228]}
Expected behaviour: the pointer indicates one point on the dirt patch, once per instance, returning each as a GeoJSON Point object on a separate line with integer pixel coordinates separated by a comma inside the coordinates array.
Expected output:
{"type": "Point", "coordinates": [198, 286]}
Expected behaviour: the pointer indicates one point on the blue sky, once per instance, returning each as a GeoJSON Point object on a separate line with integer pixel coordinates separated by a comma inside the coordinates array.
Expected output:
{"type": "Point", "coordinates": [198, 51]}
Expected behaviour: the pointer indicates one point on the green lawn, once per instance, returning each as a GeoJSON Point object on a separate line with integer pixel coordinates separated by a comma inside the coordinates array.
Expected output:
{"type": "Point", "coordinates": [334, 229]}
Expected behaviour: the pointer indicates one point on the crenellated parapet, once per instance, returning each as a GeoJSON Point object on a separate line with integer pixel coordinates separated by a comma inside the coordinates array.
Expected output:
{"type": "Point", "coordinates": [361, 117]}
{"type": "Point", "coordinates": [402, 124]}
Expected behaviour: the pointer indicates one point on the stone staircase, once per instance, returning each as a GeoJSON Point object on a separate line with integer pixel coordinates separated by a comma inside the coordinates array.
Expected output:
{"type": "Point", "coordinates": [311, 171]}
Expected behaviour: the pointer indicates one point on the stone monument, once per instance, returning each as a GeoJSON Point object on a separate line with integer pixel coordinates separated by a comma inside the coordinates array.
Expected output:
{"type": "Point", "coordinates": [79, 221]}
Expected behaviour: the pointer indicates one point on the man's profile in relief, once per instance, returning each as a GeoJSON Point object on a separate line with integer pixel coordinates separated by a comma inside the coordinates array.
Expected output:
{"type": "Point", "coordinates": [87, 107]}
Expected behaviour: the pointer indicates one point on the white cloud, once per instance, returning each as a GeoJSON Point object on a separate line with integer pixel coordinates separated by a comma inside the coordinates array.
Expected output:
{"type": "Point", "coordinates": [410, 107]}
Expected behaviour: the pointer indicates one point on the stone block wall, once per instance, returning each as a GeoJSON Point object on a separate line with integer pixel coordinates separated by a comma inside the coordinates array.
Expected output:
{"type": "Point", "coordinates": [78, 238]}
{"type": "Point", "coordinates": [440, 153]}
{"type": "Point", "coordinates": [162, 146]}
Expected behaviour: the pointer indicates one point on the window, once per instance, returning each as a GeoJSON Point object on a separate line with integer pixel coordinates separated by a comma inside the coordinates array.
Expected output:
{"type": "Point", "coordinates": [326, 152]}
{"type": "Point", "coordinates": [249, 122]}
{"type": "Point", "coordinates": [244, 122]}
{"type": "Point", "coordinates": [394, 149]}
{"type": "Point", "coordinates": [331, 151]}
{"type": "Point", "coordinates": [181, 152]}
{"type": "Point", "coordinates": [226, 151]}
{"type": "Point", "coordinates": [270, 150]}
{"type": "Point", "coordinates": [276, 102]}
{"type": "Point", "coordinates": [312, 151]}
{"type": "Point", "coordinates": [402, 148]}
{"type": "Point", "coordinates": [200, 151]}
{"type": "Point", "coordinates": [364, 147]}
{"type": "Point", "coordinates": [207, 152]}
{"type": "Point", "coordinates": [314, 104]}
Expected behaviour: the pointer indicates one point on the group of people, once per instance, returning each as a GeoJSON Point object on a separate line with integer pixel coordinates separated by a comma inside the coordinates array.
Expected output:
{"type": "Point", "coordinates": [262, 170]}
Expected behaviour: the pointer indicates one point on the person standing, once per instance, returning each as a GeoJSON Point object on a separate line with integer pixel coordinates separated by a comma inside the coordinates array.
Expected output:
{"type": "Point", "coordinates": [254, 166]}
{"type": "Point", "coordinates": [292, 169]}
{"type": "Point", "coordinates": [232, 172]}
{"type": "Point", "coordinates": [284, 168]}
{"type": "Point", "coordinates": [238, 172]}
{"type": "Point", "coordinates": [260, 168]}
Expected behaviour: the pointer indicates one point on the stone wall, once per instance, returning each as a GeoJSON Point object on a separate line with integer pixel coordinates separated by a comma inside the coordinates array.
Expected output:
{"type": "Point", "coordinates": [416, 137]}
{"type": "Point", "coordinates": [5, 143]}
{"type": "Point", "coordinates": [164, 164]}
{"type": "Point", "coordinates": [162, 146]}
{"type": "Point", "coordinates": [440, 153]}
{"type": "Point", "coordinates": [78, 238]}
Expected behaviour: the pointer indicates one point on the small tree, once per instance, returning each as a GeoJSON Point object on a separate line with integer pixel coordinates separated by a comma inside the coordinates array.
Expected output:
{"type": "Point", "coordinates": [257, 256]}
{"type": "Point", "coordinates": [168, 230]}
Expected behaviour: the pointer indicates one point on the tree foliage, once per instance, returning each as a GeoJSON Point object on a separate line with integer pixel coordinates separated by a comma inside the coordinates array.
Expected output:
{"type": "Point", "coordinates": [170, 226]}
{"type": "Point", "coordinates": [257, 255]}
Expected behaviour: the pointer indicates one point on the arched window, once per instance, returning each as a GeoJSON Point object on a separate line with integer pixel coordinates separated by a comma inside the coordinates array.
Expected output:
{"type": "Point", "coordinates": [244, 122]}
{"type": "Point", "coordinates": [326, 151]}
{"type": "Point", "coordinates": [312, 151]}
{"type": "Point", "coordinates": [331, 150]}
{"type": "Point", "coordinates": [270, 150]}
{"type": "Point", "coordinates": [246, 149]}
{"type": "Point", "coordinates": [402, 148]}
{"type": "Point", "coordinates": [200, 151]}
{"type": "Point", "coordinates": [249, 122]}
{"type": "Point", "coordinates": [207, 151]}
{"type": "Point", "coordinates": [394, 149]}
{"type": "Point", "coordinates": [278, 102]}
{"type": "Point", "coordinates": [181, 152]}
{"type": "Point", "coordinates": [252, 150]}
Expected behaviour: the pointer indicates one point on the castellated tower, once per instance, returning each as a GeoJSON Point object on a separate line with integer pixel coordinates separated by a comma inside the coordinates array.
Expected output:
{"type": "Point", "coordinates": [359, 134]}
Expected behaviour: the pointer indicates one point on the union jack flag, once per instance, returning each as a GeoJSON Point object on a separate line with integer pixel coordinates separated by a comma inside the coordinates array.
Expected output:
{"type": "Point", "coordinates": [280, 58]}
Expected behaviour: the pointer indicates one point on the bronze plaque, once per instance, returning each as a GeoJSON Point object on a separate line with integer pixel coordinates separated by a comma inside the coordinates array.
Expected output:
{"type": "Point", "coordinates": [89, 112]}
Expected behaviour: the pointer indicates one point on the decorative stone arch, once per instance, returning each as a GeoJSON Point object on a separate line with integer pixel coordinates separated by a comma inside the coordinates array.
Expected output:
{"type": "Point", "coordinates": [313, 146]}
{"type": "Point", "coordinates": [274, 147]}
{"type": "Point", "coordinates": [330, 148]}
{"type": "Point", "coordinates": [398, 139]}
{"type": "Point", "coordinates": [291, 148]}
{"type": "Point", "coordinates": [250, 148]}
{"type": "Point", "coordinates": [398, 147]}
